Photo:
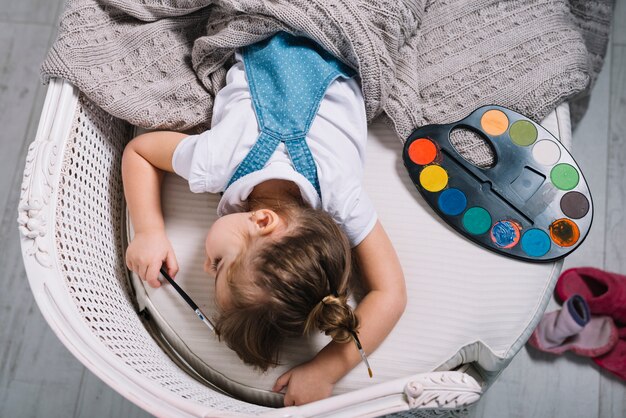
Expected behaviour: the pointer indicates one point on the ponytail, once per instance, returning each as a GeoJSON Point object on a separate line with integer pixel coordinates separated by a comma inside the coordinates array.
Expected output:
{"type": "Point", "coordinates": [334, 317]}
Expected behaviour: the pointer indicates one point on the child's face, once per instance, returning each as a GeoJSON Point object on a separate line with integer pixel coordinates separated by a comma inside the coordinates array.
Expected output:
{"type": "Point", "coordinates": [226, 239]}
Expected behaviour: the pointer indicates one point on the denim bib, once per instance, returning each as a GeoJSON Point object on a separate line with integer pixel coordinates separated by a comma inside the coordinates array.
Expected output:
{"type": "Point", "coordinates": [288, 77]}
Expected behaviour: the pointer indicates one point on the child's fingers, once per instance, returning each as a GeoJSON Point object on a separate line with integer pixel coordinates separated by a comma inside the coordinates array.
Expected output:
{"type": "Point", "coordinates": [135, 268]}
{"type": "Point", "coordinates": [282, 382]}
{"type": "Point", "coordinates": [152, 274]}
{"type": "Point", "coordinates": [171, 263]}
{"type": "Point", "coordinates": [129, 262]}
{"type": "Point", "coordinates": [287, 401]}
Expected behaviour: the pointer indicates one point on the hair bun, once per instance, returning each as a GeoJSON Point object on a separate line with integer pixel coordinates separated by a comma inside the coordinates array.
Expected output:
{"type": "Point", "coordinates": [329, 299]}
{"type": "Point", "coordinates": [334, 317]}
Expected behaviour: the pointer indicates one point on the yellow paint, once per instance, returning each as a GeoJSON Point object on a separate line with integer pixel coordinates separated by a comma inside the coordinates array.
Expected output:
{"type": "Point", "coordinates": [433, 178]}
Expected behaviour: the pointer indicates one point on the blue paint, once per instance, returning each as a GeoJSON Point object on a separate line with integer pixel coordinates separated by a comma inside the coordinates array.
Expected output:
{"type": "Point", "coordinates": [535, 243]}
{"type": "Point", "coordinates": [452, 202]}
{"type": "Point", "coordinates": [505, 234]}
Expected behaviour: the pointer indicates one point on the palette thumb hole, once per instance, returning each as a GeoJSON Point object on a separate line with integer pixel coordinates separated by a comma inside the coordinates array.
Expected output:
{"type": "Point", "coordinates": [533, 204]}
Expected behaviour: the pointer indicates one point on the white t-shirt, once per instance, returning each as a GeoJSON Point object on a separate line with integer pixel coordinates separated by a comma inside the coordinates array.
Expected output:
{"type": "Point", "coordinates": [336, 139]}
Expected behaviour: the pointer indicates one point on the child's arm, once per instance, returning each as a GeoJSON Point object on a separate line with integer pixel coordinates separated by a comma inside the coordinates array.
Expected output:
{"type": "Point", "coordinates": [378, 312]}
{"type": "Point", "coordinates": [144, 160]}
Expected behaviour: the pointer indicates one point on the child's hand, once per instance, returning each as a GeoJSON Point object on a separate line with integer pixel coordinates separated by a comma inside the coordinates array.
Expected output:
{"type": "Point", "coordinates": [305, 383]}
{"type": "Point", "coordinates": [147, 253]}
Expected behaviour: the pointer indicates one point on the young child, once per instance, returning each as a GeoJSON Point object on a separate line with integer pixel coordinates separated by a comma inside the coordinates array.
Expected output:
{"type": "Point", "coordinates": [286, 148]}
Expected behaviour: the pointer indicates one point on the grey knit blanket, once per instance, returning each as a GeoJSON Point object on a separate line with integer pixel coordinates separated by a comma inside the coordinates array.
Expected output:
{"type": "Point", "coordinates": [159, 63]}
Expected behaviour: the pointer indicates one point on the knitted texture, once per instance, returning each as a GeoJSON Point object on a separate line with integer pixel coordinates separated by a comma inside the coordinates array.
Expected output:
{"type": "Point", "coordinates": [160, 63]}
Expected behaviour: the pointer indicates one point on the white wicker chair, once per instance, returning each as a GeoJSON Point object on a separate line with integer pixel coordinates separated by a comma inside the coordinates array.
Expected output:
{"type": "Point", "coordinates": [71, 218]}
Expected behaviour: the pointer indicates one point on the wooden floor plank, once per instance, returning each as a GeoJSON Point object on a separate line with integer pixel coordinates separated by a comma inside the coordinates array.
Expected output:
{"type": "Point", "coordinates": [619, 23]}
{"type": "Point", "coordinates": [30, 11]}
{"type": "Point", "coordinates": [616, 197]}
{"type": "Point", "coordinates": [98, 399]}
{"type": "Point", "coordinates": [27, 399]}
{"type": "Point", "coordinates": [535, 382]}
{"type": "Point", "coordinates": [22, 48]}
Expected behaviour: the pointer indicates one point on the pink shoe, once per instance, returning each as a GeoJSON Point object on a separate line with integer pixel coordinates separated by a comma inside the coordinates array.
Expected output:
{"type": "Point", "coordinates": [604, 292]}
{"type": "Point", "coordinates": [573, 328]}
{"type": "Point", "coordinates": [615, 360]}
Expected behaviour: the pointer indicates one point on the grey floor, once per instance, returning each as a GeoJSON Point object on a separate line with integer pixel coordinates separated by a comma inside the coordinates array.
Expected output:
{"type": "Point", "coordinates": [40, 378]}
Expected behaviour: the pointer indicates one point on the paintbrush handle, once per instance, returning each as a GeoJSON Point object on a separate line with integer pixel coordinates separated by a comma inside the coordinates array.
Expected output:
{"type": "Point", "coordinates": [189, 301]}
{"type": "Point", "coordinates": [180, 291]}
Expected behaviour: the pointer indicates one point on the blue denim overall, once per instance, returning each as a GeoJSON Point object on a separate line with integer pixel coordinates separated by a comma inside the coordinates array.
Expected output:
{"type": "Point", "coordinates": [288, 77]}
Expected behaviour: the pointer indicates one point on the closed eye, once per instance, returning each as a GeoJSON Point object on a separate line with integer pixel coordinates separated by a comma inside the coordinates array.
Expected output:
{"type": "Point", "coordinates": [215, 263]}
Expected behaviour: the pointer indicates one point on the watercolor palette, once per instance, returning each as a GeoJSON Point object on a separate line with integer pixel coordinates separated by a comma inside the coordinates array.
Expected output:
{"type": "Point", "coordinates": [532, 204]}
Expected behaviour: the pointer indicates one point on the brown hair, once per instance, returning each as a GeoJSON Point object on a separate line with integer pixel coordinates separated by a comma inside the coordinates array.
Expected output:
{"type": "Point", "coordinates": [299, 282]}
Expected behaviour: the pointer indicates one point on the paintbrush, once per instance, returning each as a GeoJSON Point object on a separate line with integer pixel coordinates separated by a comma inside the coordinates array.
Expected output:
{"type": "Point", "coordinates": [362, 353]}
{"type": "Point", "coordinates": [189, 301]}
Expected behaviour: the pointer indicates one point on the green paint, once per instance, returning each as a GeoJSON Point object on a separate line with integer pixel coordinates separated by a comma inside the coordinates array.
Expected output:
{"type": "Point", "coordinates": [477, 220]}
{"type": "Point", "coordinates": [564, 176]}
{"type": "Point", "coordinates": [523, 133]}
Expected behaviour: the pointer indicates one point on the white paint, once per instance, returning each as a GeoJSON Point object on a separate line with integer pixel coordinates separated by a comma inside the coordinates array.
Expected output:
{"type": "Point", "coordinates": [546, 152]}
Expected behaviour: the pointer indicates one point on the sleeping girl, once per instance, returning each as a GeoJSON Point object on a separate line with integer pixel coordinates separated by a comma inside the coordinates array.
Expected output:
{"type": "Point", "coordinates": [286, 149]}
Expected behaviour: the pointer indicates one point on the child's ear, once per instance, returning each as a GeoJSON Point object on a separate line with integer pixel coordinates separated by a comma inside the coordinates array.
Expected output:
{"type": "Point", "coordinates": [265, 220]}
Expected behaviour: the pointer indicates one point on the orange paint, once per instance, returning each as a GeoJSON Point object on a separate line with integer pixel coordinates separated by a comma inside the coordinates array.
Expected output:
{"type": "Point", "coordinates": [564, 232]}
{"type": "Point", "coordinates": [494, 122]}
{"type": "Point", "coordinates": [422, 151]}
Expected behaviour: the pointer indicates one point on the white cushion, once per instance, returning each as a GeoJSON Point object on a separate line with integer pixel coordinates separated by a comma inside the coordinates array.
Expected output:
{"type": "Point", "coordinates": [465, 304]}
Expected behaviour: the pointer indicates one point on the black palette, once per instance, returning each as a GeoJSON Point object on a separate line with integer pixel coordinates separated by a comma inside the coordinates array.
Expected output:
{"type": "Point", "coordinates": [533, 204]}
